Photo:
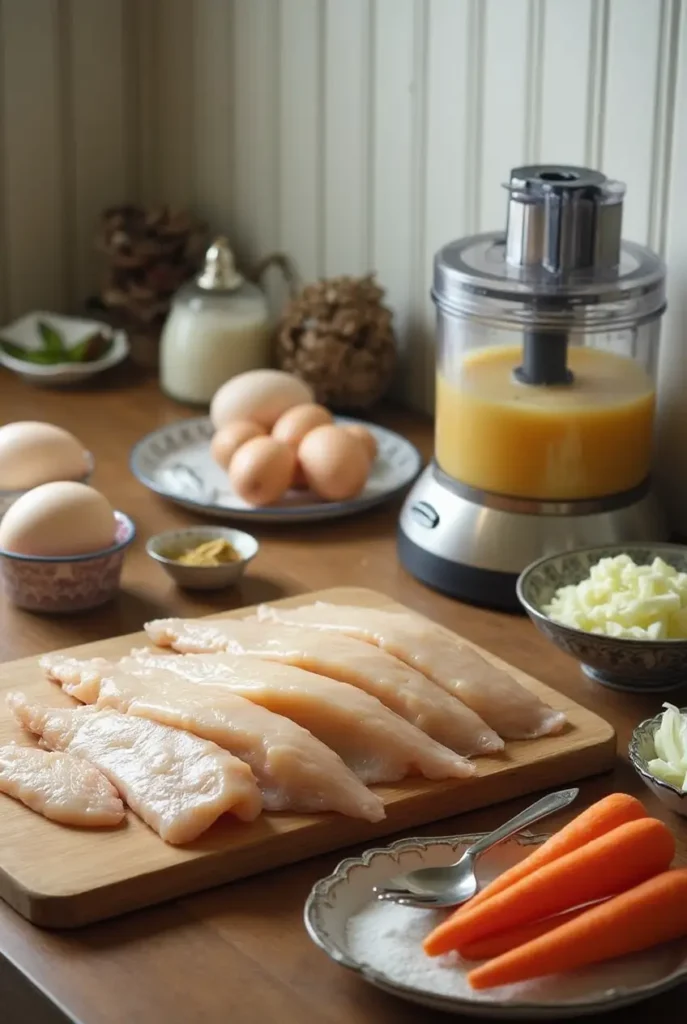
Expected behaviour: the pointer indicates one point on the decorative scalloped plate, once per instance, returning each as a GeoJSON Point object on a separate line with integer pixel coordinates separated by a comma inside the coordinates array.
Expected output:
{"type": "Point", "coordinates": [337, 910]}
{"type": "Point", "coordinates": [175, 462]}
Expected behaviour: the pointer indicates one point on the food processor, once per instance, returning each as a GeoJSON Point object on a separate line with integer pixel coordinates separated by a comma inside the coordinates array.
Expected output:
{"type": "Point", "coordinates": [547, 345]}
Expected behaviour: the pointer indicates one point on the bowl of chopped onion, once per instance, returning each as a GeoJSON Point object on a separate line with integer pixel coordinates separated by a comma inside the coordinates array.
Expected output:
{"type": "Point", "coordinates": [620, 610]}
{"type": "Point", "coordinates": [658, 753]}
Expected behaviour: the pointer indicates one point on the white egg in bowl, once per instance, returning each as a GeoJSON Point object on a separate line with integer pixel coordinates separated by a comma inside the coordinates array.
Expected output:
{"type": "Point", "coordinates": [62, 548]}
{"type": "Point", "coordinates": [34, 453]}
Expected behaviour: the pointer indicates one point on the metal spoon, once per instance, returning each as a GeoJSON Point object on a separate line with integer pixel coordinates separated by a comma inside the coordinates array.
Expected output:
{"type": "Point", "coordinates": [428, 888]}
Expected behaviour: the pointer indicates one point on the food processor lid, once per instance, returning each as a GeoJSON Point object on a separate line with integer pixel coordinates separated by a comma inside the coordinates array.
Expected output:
{"type": "Point", "coordinates": [560, 261]}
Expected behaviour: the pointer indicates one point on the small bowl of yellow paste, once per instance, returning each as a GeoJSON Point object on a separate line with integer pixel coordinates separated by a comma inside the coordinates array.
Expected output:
{"type": "Point", "coordinates": [203, 557]}
{"type": "Point", "coordinates": [621, 610]}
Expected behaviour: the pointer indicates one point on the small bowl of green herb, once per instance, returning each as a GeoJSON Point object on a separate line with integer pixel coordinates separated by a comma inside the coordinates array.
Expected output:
{"type": "Point", "coordinates": [53, 350]}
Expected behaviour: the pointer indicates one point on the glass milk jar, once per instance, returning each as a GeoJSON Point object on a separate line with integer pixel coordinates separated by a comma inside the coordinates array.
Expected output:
{"type": "Point", "coordinates": [218, 327]}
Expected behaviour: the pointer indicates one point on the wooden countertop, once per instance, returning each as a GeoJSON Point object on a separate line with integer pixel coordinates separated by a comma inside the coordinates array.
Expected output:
{"type": "Point", "coordinates": [240, 952]}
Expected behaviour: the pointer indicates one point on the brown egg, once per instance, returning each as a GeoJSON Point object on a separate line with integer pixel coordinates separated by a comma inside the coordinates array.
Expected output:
{"type": "Point", "coordinates": [295, 423]}
{"type": "Point", "coordinates": [336, 464]}
{"type": "Point", "coordinates": [299, 482]}
{"type": "Point", "coordinates": [261, 470]}
{"type": "Point", "coordinates": [260, 395]}
{"type": "Point", "coordinates": [366, 436]}
{"type": "Point", "coordinates": [229, 439]}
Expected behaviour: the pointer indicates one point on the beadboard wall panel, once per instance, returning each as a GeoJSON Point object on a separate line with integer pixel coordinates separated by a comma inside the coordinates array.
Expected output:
{"type": "Point", "coordinates": [447, 181]}
{"type": "Point", "coordinates": [363, 134]}
{"type": "Point", "coordinates": [213, 111]}
{"type": "Point", "coordinates": [634, 61]}
{"type": "Point", "coordinates": [97, 160]}
{"type": "Point", "coordinates": [398, 133]}
{"type": "Point", "coordinates": [672, 434]}
{"type": "Point", "coordinates": [66, 143]}
{"type": "Point", "coordinates": [34, 160]}
{"type": "Point", "coordinates": [354, 135]}
{"type": "Point", "coordinates": [568, 64]}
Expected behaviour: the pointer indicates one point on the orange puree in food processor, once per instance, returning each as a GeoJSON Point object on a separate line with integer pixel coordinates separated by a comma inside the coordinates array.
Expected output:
{"type": "Point", "coordinates": [587, 439]}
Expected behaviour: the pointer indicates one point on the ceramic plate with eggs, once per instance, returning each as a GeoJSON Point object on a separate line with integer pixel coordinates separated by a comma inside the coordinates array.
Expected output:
{"type": "Point", "coordinates": [269, 452]}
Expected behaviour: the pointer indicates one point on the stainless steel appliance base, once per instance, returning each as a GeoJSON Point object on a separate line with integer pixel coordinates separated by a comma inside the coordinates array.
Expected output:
{"type": "Point", "coordinates": [474, 552]}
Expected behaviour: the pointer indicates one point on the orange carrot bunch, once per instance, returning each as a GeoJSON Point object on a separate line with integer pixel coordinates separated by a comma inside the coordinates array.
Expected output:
{"type": "Point", "coordinates": [597, 889]}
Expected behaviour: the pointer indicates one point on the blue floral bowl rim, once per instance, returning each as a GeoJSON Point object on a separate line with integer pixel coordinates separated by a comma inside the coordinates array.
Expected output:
{"type": "Point", "coordinates": [90, 556]}
{"type": "Point", "coordinates": [638, 762]}
{"type": "Point", "coordinates": [572, 631]}
{"type": "Point", "coordinates": [18, 492]}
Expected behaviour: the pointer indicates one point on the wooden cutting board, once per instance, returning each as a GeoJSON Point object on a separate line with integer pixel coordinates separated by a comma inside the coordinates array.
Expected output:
{"type": "Point", "coordinates": [59, 877]}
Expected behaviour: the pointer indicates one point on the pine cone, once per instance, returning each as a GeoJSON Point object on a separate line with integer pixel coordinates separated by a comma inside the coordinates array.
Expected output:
{"type": "Point", "coordinates": [337, 336]}
{"type": "Point", "coordinates": [150, 254]}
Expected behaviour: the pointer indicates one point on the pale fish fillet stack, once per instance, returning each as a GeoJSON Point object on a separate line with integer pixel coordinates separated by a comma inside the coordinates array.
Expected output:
{"type": "Point", "coordinates": [177, 783]}
{"type": "Point", "coordinates": [377, 744]}
{"type": "Point", "coordinates": [294, 770]}
{"type": "Point", "coordinates": [292, 709]}
{"type": "Point", "coordinates": [337, 656]}
{"type": "Point", "coordinates": [492, 693]}
{"type": "Point", "coordinates": [59, 786]}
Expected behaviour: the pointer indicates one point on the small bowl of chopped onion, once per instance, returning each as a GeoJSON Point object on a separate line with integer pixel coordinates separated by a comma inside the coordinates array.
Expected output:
{"type": "Point", "coordinates": [620, 610]}
{"type": "Point", "coordinates": [658, 753]}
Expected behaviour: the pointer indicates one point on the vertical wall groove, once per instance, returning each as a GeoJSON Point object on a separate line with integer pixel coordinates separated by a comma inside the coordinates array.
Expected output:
{"type": "Point", "coordinates": [321, 135]}
{"type": "Point", "coordinates": [672, 424]}
{"type": "Point", "coordinates": [142, 19]}
{"type": "Point", "coordinates": [420, 361]}
{"type": "Point", "coordinates": [279, 128]}
{"type": "Point", "coordinates": [5, 253]}
{"type": "Point", "coordinates": [475, 112]}
{"type": "Point", "coordinates": [535, 67]}
{"type": "Point", "coordinates": [67, 138]}
{"type": "Point", "coordinates": [370, 251]}
{"type": "Point", "coordinates": [664, 115]}
{"type": "Point", "coordinates": [596, 97]}
{"type": "Point", "coordinates": [132, 101]}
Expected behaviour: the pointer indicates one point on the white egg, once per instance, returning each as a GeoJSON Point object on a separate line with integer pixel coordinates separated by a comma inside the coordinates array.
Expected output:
{"type": "Point", "coordinates": [58, 518]}
{"type": "Point", "coordinates": [33, 453]}
{"type": "Point", "coordinates": [258, 395]}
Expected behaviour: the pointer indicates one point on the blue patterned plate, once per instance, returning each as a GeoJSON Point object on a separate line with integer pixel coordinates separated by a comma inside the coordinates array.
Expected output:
{"type": "Point", "coordinates": [175, 462]}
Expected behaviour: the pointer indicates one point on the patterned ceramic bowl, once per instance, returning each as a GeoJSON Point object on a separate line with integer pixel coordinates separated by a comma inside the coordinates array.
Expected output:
{"type": "Point", "coordinates": [69, 583]}
{"type": "Point", "coordinates": [638, 666]}
{"type": "Point", "coordinates": [8, 498]}
{"type": "Point", "coordinates": [642, 750]}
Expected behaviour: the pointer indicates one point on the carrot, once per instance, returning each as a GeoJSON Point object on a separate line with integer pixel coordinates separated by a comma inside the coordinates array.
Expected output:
{"type": "Point", "coordinates": [608, 865]}
{"type": "Point", "coordinates": [595, 821]}
{"type": "Point", "coordinates": [502, 942]}
{"type": "Point", "coordinates": [651, 913]}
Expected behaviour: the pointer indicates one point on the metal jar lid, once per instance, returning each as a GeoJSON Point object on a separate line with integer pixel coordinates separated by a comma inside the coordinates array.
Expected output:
{"type": "Point", "coordinates": [560, 263]}
{"type": "Point", "coordinates": [219, 272]}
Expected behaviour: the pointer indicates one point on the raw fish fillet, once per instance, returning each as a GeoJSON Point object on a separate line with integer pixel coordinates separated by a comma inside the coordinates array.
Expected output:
{"type": "Point", "coordinates": [177, 783]}
{"type": "Point", "coordinates": [378, 745]}
{"type": "Point", "coordinates": [59, 786]}
{"type": "Point", "coordinates": [339, 657]}
{"type": "Point", "coordinates": [293, 769]}
{"type": "Point", "coordinates": [511, 710]}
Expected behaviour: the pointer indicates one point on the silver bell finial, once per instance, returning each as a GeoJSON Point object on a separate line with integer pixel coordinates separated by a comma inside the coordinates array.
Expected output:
{"type": "Point", "coordinates": [219, 271]}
